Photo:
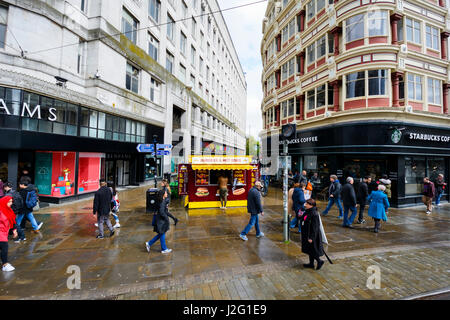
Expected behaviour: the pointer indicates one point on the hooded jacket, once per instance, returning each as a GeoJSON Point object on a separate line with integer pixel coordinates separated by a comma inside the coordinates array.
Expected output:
{"type": "Point", "coordinates": [7, 219]}
{"type": "Point", "coordinates": [102, 201]}
{"type": "Point", "coordinates": [24, 193]}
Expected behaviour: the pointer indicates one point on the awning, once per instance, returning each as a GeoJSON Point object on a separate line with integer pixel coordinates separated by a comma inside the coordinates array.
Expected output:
{"type": "Point", "coordinates": [222, 167]}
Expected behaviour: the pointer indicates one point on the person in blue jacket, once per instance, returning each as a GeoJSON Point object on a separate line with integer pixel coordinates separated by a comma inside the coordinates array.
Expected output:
{"type": "Point", "coordinates": [298, 204]}
{"type": "Point", "coordinates": [378, 206]}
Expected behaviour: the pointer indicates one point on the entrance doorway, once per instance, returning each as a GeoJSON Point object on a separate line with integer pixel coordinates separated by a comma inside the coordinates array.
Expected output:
{"type": "Point", "coordinates": [118, 172]}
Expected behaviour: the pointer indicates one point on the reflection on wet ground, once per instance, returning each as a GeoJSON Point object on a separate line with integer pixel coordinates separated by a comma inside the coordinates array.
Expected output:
{"type": "Point", "coordinates": [204, 241]}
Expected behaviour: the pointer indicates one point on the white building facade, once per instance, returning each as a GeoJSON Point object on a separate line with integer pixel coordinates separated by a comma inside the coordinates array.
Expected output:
{"type": "Point", "coordinates": [95, 79]}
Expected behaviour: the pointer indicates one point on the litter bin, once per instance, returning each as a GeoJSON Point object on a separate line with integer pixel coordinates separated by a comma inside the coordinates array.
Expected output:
{"type": "Point", "coordinates": [174, 189]}
{"type": "Point", "coordinates": [152, 200]}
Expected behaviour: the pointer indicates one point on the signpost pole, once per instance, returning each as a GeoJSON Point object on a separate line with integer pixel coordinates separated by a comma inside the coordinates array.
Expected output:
{"type": "Point", "coordinates": [285, 193]}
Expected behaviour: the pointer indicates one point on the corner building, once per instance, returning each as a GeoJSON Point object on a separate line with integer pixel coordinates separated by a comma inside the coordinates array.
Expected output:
{"type": "Point", "coordinates": [366, 83]}
{"type": "Point", "coordinates": [83, 82]}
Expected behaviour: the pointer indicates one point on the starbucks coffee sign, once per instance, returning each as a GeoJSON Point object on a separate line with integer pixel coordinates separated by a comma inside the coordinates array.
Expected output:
{"type": "Point", "coordinates": [396, 136]}
{"type": "Point", "coordinates": [29, 111]}
{"type": "Point", "coordinates": [414, 136]}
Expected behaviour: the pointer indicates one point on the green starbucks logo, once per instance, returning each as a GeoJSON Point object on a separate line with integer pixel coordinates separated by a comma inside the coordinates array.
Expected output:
{"type": "Point", "coordinates": [396, 136]}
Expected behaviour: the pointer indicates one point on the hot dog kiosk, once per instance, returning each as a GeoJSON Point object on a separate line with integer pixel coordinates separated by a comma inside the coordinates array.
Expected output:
{"type": "Point", "coordinates": [198, 180]}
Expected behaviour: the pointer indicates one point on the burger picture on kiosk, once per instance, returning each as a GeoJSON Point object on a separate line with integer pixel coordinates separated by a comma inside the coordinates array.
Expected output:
{"type": "Point", "coordinates": [202, 192]}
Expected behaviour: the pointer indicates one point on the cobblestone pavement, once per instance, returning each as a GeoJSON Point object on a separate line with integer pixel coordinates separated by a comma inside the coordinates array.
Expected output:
{"type": "Point", "coordinates": [209, 260]}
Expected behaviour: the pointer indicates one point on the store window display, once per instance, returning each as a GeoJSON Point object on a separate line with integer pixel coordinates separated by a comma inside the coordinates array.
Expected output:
{"type": "Point", "coordinates": [89, 171]}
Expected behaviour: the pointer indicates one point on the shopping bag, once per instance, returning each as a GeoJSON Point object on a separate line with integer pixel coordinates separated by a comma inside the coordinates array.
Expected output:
{"type": "Point", "coordinates": [322, 232]}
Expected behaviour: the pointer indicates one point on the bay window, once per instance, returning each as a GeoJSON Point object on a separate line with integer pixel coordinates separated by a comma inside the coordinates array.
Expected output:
{"type": "Point", "coordinates": [434, 91]}
{"type": "Point", "coordinates": [377, 23]}
{"type": "Point", "coordinates": [432, 37]}
{"type": "Point", "coordinates": [413, 31]}
{"type": "Point", "coordinates": [356, 83]}
{"type": "Point", "coordinates": [377, 82]}
{"type": "Point", "coordinates": [319, 97]}
{"type": "Point", "coordinates": [354, 28]}
{"type": "Point", "coordinates": [414, 87]}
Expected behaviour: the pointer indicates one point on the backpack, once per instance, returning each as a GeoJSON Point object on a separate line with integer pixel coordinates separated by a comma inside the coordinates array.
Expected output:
{"type": "Point", "coordinates": [31, 200]}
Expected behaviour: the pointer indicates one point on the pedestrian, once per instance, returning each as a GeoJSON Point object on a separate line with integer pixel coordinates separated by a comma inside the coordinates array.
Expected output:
{"type": "Point", "coordinates": [1, 188]}
{"type": "Point", "coordinates": [440, 188]}
{"type": "Point", "coordinates": [29, 198]}
{"type": "Point", "coordinates": [166, 187]}
{"type": "Point", "coordinates": [428, 194]}
{"type": "Point", "coordinates": [349, 200]}
{"type": "Point", "coordinates": [362, 194]}
{"type": "Point", "coordinates": [373, 186]}
{"type": "Point", "coordinates": [334, 193]}
{"type": "Point", "coordinates": [311, 235]}
{"type": "Point", "coordinates": [25, 177]}
{"type": "Point", "coordinates": [7, 222]}
{"type": "Point", "coordinates": [303, 178]}
{"type": "Point", "coordinates": [315, 182]}
{"type": "Point", "coordinates": [102, 207]}
{"type": "Point", "coordinates": [223, 190]}
{"type": "Point", "coordinates": [387, 183]}
{"type": "Point", "coordinates": [115, 207]}
{"type": "Point", "coordinates": [298, 205]}
{"type": "Point", "coordinates": [254, 207]}
{"type": "Point", "coordinates": [161, 223]}
{"type": "Point", "coordinates": [16, 206]}
{"type": "Point", "coordinates": [378, 206]}
{"type": "Point", "coordinates": [290, 202]}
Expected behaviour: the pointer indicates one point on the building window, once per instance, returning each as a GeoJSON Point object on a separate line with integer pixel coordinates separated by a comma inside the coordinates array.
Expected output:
{"type": "Point", "coordinates": [414, 87]}
{"type": "Point", "coordinates": [377, 23]}
{"type": "Point", "coordinates": [194, 27]}
{"type": "Point", "coordinates": [200, 65]}
{"type": "Point", "coordinates": [170, 27]}
{"type": "Point", "coordinates": [311, 9]}
{"type": "Point", "coordinates": [83, 6]}
{"type": "Point", "coordinates": [132, 78]}
{"type": "Point", "coordinates": [193, 53]}
{"type": "Point", "coordinates": [155, 91]}
{"type": "Point", "coordinates": [354, 28]}
{"type": "Point", "coordinates": [355, 84]}
{"type": "Point", "coordinates": [400, 30]}
{"type": "Point", "coordinates": [317, 97]}
{"type": "Point", "coordinates": [183, 41]}
{"type": "Point", "coordinates": [182, 73]}
{"type": "Point", "coordinates": [432, 37]}
{"type": "Point", "coordinates": [153, 47]}
{"type": "Point", "coordinates": [154, 8]}
{"type": "Point", "coordinates": [311, 53]}
{"type": "Point", "coordinates": [129, 26]}
{"type": "Point", "coordinates": [377, 82]}
{"type": "Point", "coordinates": [80, 57]}
{"type": "Point", "coordinates": [413, 31]}
{"type": "Point", "coordinates": [3, 23]}
{"type": "Point", "coordinates": [169, 62]}
{"type": "Point", "coordinates": [434, 91]}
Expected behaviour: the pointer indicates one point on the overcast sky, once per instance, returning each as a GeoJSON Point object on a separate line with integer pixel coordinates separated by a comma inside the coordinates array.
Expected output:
{"type": "Point", "coordinates": [245, 26]}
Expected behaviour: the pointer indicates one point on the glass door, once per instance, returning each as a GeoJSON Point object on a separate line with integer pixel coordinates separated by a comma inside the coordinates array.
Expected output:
{"type": "Point", "coordinates": [126, 173]}
{"type": "Point", "coordinates": [119, 172]}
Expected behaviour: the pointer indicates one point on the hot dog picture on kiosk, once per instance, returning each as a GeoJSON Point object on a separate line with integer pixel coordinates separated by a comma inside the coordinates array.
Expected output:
{"type": "Point", "coordinates": [198, 180]}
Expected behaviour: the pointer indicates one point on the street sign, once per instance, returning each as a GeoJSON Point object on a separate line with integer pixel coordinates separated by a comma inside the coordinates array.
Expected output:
{"type": "Point", "coordinates": [164, 146]}
{"type": "Point", "coordinates": [145, 148]}
{"type": "Point", "coordinates": [163, 153]}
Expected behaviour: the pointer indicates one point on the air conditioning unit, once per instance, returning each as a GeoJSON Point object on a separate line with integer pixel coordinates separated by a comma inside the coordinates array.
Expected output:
{"type": "Point", "coordinates": [409, 108]}
{"type": "Point", "coordinates": [404, 48]}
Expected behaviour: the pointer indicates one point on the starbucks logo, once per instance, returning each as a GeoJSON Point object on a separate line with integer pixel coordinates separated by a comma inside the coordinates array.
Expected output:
{"type": "Point", "coordinates": [396, 136]}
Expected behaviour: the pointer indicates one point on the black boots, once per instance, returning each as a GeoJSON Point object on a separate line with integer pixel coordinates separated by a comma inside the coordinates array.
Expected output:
{"type": "Point", "coordinates": [319, 264]}
{"type": "Point", "coordinates": [377, 226]}
{"type": "Point", "coordinates": [311, 263]}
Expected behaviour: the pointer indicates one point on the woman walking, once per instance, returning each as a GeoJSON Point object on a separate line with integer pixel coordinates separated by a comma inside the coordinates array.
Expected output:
{"type": "Point", "coordinates": [166, 187]}
{"type": "Point", "coordinates": [7, 222]}
{"type": "Point", "coordinates": [311, 235]}
{"type": "Point", "coordinates": [298, 201]}
{"type": "Point", "coordinates": [378, 206]}
{"type": "Point", "coordinates": [161, 223]}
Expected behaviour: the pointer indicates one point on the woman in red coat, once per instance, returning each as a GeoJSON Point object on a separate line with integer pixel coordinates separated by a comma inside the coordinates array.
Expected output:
{"type": "Point", "coordinates": [7, 222]}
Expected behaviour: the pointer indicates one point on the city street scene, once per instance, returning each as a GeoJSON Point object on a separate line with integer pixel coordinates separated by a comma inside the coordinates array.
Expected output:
{"type": "Point", "coordinates": [224, 150]}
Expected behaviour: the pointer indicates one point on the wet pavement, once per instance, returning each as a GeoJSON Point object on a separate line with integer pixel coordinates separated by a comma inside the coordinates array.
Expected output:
{"type": "Point", "coordinates": [209, 261]}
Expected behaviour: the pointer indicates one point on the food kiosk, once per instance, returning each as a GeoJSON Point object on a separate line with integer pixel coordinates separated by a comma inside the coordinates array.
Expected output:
{"type": "Point", "coordinates": [198, 180]}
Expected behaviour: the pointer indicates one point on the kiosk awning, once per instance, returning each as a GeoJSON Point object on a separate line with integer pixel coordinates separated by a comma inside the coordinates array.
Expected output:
{"type": "Point", "coordinates": [222, 167]}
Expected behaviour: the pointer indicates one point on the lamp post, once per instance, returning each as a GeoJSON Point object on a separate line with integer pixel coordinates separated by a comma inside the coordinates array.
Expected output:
{"type": "Point", "coordinates": [155, 142]}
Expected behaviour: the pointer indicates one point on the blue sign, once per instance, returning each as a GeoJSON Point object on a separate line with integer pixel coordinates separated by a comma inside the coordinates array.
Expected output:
{"type": "Point", "coordinates": [163, 153]}
{"type": "Point", "coordinates": [145, 148]}
{"type": "Point", "coordinates": [164, 146]}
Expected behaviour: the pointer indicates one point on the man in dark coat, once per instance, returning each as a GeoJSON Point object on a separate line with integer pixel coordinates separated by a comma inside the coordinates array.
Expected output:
{"type": "Point", "coordinates": [334, 193]}
{"type": "Point", "coordinates": [311, 237]}
{"type": "Point", "coordinates": [428, 194]}
{"type": "Point", "coordinates": [102, 207]}
{"type": "Point", "coordinates": [362, 194]}
{"type": "Point", "coordinates": [303, 178]}
{"type": "Point", "coordinates": [254, 207]}
{"type": "Point", "coordinates": [16, 207]}
{"type": "Point", "coordinates": [349, 200]}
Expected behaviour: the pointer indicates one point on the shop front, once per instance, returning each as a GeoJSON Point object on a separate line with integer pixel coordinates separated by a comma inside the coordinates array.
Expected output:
{"type": "Point", "coordinates": [66, 148]}
{"type": "Point", "coordinates": [198, 180]}
{"type": "Point", "coordinates": [406, 152]}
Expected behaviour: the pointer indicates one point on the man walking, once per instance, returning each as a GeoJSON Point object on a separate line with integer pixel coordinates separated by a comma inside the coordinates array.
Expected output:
{"type": "Point", "coordinates": [440, 187]}
{"type": "Point", "coordinates": [349, 200]}
{"type": "Point", "coordinates": [223, 191]}
{"type": "Point", "coordinates": [428, 194]}
{"type": "Point", "coordinates": [363, 193]}
{"type": "Point", "coordinates": [254, 207]}
{"type": "Point", "coordinates": [29, 198]}
{"type": "Point", "coordinates": [334, 193]}
{"type": "Point", "coordinates": [16, 206]}
{"type": "Point", "coordinates": [102, 207]}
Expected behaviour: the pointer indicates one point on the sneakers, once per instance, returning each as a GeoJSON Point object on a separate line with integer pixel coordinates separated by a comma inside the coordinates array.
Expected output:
{"type": "Point", "coordinates": [428, 212]}
{"type": "Point", "coordinates": [100, 237]}
{"type": "Point", "coordinates": [8, 268]}
{"type": "Point", "coordinates": [117, 225]}
{"type": "Point", "coordinates": [96, 225]}
{"type": "Point", "coordinates": [111, 233]}
{"type": "Point", "coordinates": [148, 247]}
{"type": "Point", "coordinates": [39, 226]}
{"type": "Point", "coordinates": [243, 237]}
{"type": "Point", "coordinates": [166, 251]}
{"type": "Point", "coordinates": [341, 217]}
{"type": "Point", "coordinates": [260, 235]}
{"type": "Point", "coordinates": [19, 240]}
{"type": "Point", "coordinates": [361, 221]}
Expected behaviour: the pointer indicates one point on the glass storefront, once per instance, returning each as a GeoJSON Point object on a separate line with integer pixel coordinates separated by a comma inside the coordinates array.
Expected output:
{"type": "Point", "coordinates": [152, 167]}
{"type": "Point", "coordinates": [89, 173]}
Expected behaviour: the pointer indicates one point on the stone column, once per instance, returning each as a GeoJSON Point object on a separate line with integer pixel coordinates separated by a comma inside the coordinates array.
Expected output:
{"type": "Point", "coordinates": [446, 86]}
{"type": "Point", "coordinates": [336, 84]}
{"type": "Point", "coordinates": [394, 23]}
{"type": "Point", "coordinates": [444, 43]}
{"type": "Point", "coordinates": [336, 31]}
{"type": "Point", "coordinates": [278, 116]}
{"type": "Point", "coordinates": [395, 89]}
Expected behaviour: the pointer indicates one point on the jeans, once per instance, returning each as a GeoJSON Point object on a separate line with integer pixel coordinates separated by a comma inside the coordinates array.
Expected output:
{"type": "Point", "coordinates": [30, 217]}
{"type": "Point", "coordinates": [438, 197]}
{"type": "Point", "coordinates": [347, 221]}
{"type": "Point", "coordinates": [115, 216]}
{"type": "Point", "coordinates": [254, 221]}
{"type": "Point", "coordinates": [330, 204]}
{"type": "Point", "coordinates": [294, 222]}
{"type": "Point", "coordinates": [161, 238]}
